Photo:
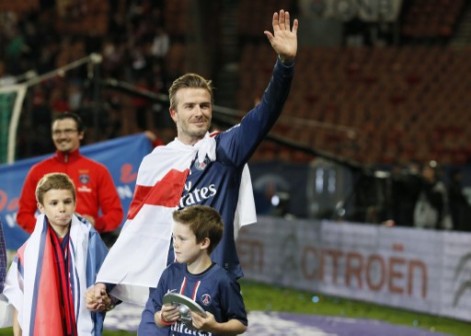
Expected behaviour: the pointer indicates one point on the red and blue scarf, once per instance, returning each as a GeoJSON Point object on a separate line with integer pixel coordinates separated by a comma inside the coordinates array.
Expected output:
{"type": "Point", "coordinates": [46, 282]}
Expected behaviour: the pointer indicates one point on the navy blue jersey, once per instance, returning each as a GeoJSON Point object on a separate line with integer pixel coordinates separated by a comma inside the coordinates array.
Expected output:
{"type": "Point", "coordinates": [217, 183]}
{"type": "Point", "coordinates": [214, 290]}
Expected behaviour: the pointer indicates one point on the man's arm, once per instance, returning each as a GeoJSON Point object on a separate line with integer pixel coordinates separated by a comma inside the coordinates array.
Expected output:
{"type": "Point", "coordinates": [238, 143]}
{"type": "Point", "coordinates": [109, 203]}
{"type": "Point", "coordinates": [27, 203]}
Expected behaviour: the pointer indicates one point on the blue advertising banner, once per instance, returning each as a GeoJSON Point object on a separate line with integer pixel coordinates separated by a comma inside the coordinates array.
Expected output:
{"type": "Point", "coordinates": [122, 156]}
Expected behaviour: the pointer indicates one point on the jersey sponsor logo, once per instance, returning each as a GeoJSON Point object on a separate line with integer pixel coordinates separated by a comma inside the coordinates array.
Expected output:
{"type": "Point", "coordinates": [198, 195]}
{"type": "Point", "coordinates": [84, 189]}
{"type": "Point", "coordinates": [84, 178]}
{"type": "Point", "coordinates": [182, 329]}
{"type": "Point", "coordinates": [206, 299]}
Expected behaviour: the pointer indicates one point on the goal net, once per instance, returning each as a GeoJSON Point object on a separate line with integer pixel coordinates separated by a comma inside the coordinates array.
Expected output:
{"type": "Point", "coordinates": [11, 102]}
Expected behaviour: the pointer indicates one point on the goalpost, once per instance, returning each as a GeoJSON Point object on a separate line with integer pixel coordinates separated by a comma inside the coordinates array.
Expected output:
{"type": "Point", "coordinates": [11, 104]}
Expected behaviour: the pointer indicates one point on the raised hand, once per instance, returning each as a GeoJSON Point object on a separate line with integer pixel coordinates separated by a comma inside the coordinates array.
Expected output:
{"type": "Point", "coordinates": [284, 39]}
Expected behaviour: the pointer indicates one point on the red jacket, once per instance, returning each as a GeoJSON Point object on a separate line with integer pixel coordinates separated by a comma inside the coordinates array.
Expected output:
{"type": "Point", "coordinates": [93, 183]}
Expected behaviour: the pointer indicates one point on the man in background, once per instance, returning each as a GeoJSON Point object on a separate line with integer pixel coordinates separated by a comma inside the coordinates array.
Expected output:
{"type": "Point", "coordinates": [97, 197]}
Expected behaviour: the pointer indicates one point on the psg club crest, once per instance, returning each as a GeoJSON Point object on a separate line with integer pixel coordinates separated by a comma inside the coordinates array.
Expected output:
{"type": "Point", "coordinates": [201, 165]}
{"type": "Point", "coordinates": [206, 299]}
{"type": "Point", "coordinates": [84, 178]}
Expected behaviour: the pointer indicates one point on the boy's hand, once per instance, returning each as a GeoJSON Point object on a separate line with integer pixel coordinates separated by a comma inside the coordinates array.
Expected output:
{"type": "Point", "coordinates": [97, 299]}
{"type": "Point", "coordinates": [201, 322]}
{"type": "Point", "coordinates": [169, 313]}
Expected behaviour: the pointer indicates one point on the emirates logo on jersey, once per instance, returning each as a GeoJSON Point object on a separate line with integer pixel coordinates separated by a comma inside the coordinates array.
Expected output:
{"type": "Point", "coordinates": [198, 195]}
{"type": "Point", "coordinates": [206, 299]}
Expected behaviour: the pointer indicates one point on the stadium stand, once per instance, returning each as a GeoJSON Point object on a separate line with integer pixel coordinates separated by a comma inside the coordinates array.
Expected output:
{"type": "Point", "coordinates": [431, 19]}
{"type": "Point", "coordinates": [376, 103]}
{"type": "Point", "coordinates": [394, 98]}
{"type": "Point", "coordinates": [397, 103]}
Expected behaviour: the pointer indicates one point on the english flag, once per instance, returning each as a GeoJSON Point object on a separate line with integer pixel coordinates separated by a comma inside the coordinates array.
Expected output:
{"type": "Point", "coordinates": [139, 255]}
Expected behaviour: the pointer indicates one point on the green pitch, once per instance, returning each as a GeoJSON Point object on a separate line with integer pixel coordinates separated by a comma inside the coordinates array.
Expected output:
{"type": "Point", "coordinates": [268, 298]}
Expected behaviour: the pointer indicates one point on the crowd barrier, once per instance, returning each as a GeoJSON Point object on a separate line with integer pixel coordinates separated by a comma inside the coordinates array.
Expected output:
{"type": "Point", "coordinates": [419, 270]}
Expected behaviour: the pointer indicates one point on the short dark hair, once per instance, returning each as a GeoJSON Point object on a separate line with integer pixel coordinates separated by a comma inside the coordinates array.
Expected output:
{"type": "Point", "coordinates": [204, 221]}
{"type": "Point", "coordinates": [70, 115]}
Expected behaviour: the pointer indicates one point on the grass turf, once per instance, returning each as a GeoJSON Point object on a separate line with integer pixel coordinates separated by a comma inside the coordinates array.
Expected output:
{"type": "Point", "coordinates": [268, 298]}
